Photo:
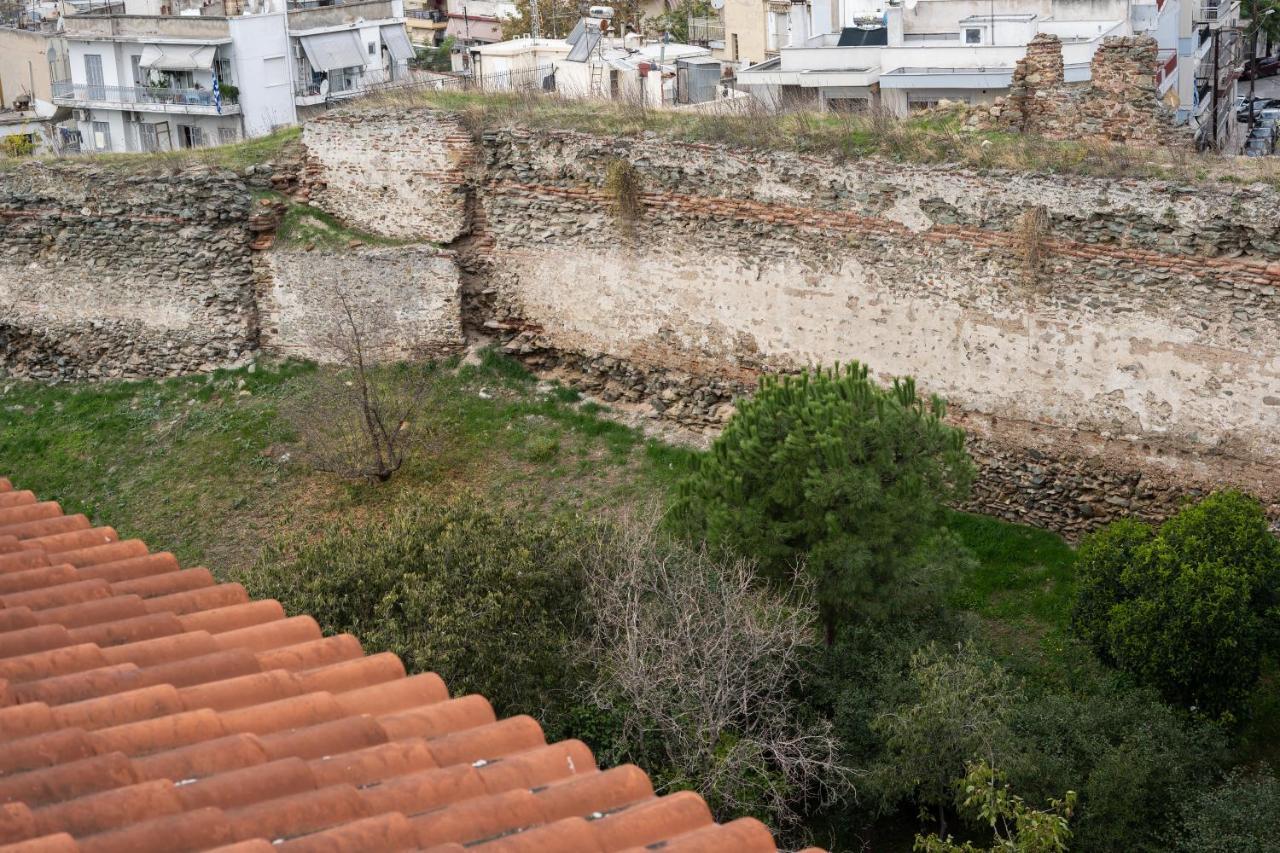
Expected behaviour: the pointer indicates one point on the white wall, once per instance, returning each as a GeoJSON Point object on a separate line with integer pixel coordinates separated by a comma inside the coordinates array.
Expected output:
{"type": "Point", "coordinates": [262, 67]}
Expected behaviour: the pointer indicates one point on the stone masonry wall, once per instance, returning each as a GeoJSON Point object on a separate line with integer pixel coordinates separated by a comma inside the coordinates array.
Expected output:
{"type": "Point", "coordinates": [107, 273]}
{"type": "Point", "coordinates": [392, 173]}
{"type": "Point", "coordinates": [1136, 363]}
{"type": "Point", "coordinates": [410, 296]}
{"type": "Point", "coordinates": [1118, 105]}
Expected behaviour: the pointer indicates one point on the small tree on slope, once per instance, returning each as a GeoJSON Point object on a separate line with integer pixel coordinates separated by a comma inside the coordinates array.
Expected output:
{"type": "Point", "coordinates": [828, 471]}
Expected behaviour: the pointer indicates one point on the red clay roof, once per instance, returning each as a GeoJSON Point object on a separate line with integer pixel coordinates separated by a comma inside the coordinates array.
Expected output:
{"type": "Point", "coordinates": [145, 707]}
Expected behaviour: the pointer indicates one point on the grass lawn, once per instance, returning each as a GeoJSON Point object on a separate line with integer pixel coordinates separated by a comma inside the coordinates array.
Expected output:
{"type": "Point", "coordinates": [205, 467]}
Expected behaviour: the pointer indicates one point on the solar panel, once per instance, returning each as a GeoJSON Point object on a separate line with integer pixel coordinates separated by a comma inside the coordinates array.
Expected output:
{"type": "Point", "coordinates": [585, 45]}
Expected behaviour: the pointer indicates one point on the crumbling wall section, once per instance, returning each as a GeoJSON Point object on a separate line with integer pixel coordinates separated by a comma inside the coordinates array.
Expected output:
{"type": "Point", "coordinates": [392, 172]}
{"type": "Point", "coordinates": [1115, 359]}
{"type": "Point", "coordinates": [1119, 105]}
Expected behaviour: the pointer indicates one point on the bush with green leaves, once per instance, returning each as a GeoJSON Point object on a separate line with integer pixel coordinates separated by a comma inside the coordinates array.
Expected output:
{"type": "Point", "coordinates": [1130, 757]}
{"type": "Point", "coordinates": [490, 599]}
{"type": "Point", "coordinates": [829, 473]}
{"type": "Point", "coordinates": [1239, 815]}
{"type": "Point", "coordinates": [1190, 608]}
{"type": "Point", "coordinates": [953, 710]}
{"type": "Point", "coordinates": [1014, 825]}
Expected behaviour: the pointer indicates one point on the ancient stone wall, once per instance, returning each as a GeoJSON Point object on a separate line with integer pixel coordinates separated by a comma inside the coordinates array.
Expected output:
{"type": "Point", "coordinates": [105, 272]}
{"type": "Point", "coordinates": [1119, 355]}
{"type": "Point", "coordinates": [391, 172]}
{"type": "Point", "coordinates": [407, 298]}
{"type": "Point", "coordinates": [1119, 104]}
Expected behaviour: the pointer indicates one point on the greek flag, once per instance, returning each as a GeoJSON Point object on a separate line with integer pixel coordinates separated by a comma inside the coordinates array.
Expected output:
{"type": "Point", "coordinates": [217, 96]}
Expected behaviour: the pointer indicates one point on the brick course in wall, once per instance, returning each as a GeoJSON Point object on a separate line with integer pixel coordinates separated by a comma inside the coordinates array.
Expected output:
{"type": "Point", "coordinates": [1133, 366]}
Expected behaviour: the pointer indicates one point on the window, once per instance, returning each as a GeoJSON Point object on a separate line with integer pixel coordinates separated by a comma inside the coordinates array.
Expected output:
{"type": "Point", "coordinates": [226, 135]}
{"type": "Point", "coordinates": [190, 136]}
{"type": "Point", "coordinates": [735, 47]}
{"type": "Point", "coordinates": [147, 139]}
{"type": "Point", "coordinates": [93, 76]}
{"type": "Point", "coordinates": [101, 136]}
{"type": "Point", "coordinates": [973, 36]}
{"type": "Point", "coordinates": [274, 72]}
{"type": "Point", "coordinates": [373, 48]}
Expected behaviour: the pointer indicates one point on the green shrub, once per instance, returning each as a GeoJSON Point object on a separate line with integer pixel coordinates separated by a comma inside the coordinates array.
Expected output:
{"type": "Point", "coordinates": [953, 710]}
{"type": "Point", "coordinates": [490, 599]}
{"type": "Point", "coordinates": [1240, 815]}
{"type": "Point", "coordinates": [1131, 758]}
{"type": "Point", "coordinates": [1189, 609]}
{"type": "Point", "coordinates": [830, 471]}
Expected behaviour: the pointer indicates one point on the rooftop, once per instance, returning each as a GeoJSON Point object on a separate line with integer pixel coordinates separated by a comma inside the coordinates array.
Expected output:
{"type": "Point", "coordinates": [146, 707]}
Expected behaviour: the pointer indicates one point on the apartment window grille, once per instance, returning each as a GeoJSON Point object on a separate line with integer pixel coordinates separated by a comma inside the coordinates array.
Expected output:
{"type": "Point", "coordinates": [101, 136]}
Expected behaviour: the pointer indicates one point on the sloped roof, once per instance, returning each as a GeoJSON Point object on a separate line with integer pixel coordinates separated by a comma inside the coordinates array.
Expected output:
{"type": "Point", "coordinates": [145, 707]}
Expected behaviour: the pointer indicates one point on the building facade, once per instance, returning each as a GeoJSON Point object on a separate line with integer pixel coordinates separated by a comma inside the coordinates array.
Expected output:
{"type": "Point", "coordinates": [902, 56]}
{"type": "Point", "coordinates": [173, 74]}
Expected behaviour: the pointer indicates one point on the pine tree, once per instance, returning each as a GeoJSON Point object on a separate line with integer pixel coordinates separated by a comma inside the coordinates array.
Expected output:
{"type": "Point", "coordinates": [828, 470]}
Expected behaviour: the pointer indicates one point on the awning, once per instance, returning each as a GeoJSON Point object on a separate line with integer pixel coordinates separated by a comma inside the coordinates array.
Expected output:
{"type": "Point", "coordinates": [397, 42]}
{"type": "Point", "coordinates": [177, 57]}
{"type": "Point", "coordinates": [330, 51]}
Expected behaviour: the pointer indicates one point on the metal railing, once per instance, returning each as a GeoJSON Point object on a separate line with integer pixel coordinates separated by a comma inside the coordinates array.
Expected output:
{"type": "Point", "coordinates": [1168, 60]}
{"type": "Point", "coordinates": [415, 80]}
{"type": "Point", "coordinates": [145, 95]}
{"type": "Point", "coordinates": [705, 30]}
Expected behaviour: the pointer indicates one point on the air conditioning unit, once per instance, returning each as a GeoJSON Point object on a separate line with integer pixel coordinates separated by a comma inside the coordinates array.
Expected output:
{"type": "Point", "coordinates": [82, 115]}
{"type": "Point", "coordinates": [298, 52]}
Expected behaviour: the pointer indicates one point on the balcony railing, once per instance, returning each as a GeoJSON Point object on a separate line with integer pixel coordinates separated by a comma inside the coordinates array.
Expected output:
{"type": "Point", "coordinates": [145, 96]}
{"type": "Point", "coordinates": [705, 30]}
{"type": "Point", "coordinates": [1168, 67]}
{"type": "Point", "coordinates": [1217, 10]}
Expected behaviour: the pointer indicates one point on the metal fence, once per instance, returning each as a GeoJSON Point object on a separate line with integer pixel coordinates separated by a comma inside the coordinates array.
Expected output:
{"type": "Point", "coordinates": [143, 95]}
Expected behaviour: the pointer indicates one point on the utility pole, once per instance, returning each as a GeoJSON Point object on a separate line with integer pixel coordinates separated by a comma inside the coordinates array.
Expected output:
{"type": "Point", "coordinates": [1214, 110]}
{"type": "Point", "coordinates": [535, 21]}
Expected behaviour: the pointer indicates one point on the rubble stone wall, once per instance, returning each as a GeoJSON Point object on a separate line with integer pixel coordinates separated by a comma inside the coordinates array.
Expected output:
{"type": "Point", "coordinates": [107, 273]}
{"type": "Point", "coordinates": [1118, 356]}
{"type": "Point", "coordinates": [408, 299]}
{"type": "Point", "coordinates": [1119, 105]}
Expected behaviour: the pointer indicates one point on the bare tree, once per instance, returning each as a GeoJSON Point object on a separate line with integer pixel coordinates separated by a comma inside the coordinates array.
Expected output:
{"type": "Point", "coordinates": [360, 420]}
{"type": "Point", "coordinates": [702, 662]}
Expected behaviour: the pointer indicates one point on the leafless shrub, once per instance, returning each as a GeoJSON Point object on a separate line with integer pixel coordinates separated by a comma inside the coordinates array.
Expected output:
{"type": "Point", "coordinates": [702, 661]}
{"type": "Point", "coordinates": [358, 421]}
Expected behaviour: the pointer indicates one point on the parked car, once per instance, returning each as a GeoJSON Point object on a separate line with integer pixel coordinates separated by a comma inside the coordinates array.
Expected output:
{"type": "Point", "coordinates": [1259, 105]}
{"type": "Point", "coordinates": [1263, 66]}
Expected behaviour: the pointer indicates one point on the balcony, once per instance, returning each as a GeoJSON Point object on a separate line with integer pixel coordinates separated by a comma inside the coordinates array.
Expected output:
{"type": "Point", "coordinates": [1217, 12]}
{"type": "Point", "coordinates": [1167, 69]}
{"type": "Point", "coordinates": [142, 99]}
{"type": "Point", "coordinates": [706, 31]}
{"type": "Point", "coordinates": [303, 17]}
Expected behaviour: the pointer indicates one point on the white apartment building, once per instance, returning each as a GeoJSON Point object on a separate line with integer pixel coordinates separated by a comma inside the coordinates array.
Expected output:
{"type": "Point", "coordinates": [171, 74]}
{"type": "Point", "coordinates": [901, 55]}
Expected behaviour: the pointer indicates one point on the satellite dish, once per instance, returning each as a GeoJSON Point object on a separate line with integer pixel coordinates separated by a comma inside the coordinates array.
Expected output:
{"type": "Point", "coordinates": [717, 4]}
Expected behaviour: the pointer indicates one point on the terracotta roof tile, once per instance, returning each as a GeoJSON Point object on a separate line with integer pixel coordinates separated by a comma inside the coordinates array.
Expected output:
{"type": "Point", "coordinates": [144, 707]}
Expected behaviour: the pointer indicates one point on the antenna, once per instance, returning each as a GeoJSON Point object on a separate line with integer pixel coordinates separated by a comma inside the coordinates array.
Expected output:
{"type": "Point", "coordinates": [535, 20]}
